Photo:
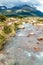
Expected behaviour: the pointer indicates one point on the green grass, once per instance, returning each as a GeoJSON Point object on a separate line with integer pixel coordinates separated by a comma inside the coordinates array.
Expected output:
{"type": "Point", "coordinates": [7, 29]}
{"type": "Point", "coordinates": [2, 40]}
{"type": "Point", "coordinates": [10, 30]}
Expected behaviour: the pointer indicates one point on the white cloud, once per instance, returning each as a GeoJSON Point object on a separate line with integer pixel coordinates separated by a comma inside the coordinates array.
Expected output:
{"type": "Point", "coordinates": [40, 1]}
{"type": "Point", "coordinates": [40, 8]}
{"type": "Point", "coordinates": [24, 0]}
{"type": "Point", "coordinates": [11, 3]}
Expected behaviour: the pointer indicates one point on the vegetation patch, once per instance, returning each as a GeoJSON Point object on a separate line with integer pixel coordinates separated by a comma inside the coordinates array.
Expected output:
{"type": "Point", "coordinates": [2, 41]}
{"type": "Point", "coordinates": [7, 29]}
{"type": "Point", "coordinates": [2, 18]}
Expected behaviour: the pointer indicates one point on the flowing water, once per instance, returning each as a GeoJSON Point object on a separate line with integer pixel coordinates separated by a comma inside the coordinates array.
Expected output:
{"type": "Point", "coordinates": [20, 50]}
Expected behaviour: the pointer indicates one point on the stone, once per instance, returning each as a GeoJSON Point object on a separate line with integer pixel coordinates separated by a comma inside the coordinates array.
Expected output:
{"type": "Point", "coordinates": [36, 48]}
{"type": "Point", "coordinates": [40, 38]}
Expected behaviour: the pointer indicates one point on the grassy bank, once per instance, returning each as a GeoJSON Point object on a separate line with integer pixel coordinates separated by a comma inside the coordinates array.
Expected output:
{"type": "Point", "coordinates": [9, 26]}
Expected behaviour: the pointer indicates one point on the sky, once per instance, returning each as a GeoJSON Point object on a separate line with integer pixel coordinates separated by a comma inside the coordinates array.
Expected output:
{"type": "Point", "coordinates": [10, 3]}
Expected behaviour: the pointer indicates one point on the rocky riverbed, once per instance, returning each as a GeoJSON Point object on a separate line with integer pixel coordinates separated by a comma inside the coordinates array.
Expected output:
{"type": "Point", "coordinates": [26, 48]}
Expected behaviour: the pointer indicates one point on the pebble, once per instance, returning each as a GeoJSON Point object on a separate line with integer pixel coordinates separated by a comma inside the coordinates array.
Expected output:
{"type": "Point", "coordinates": [36, 48]}
{"type": "Point", "coordinates": [40, 39]}
{"type": "Point", "coordinates": [30, 34]}
{"type": "Point", "coordinates": [38, 43]}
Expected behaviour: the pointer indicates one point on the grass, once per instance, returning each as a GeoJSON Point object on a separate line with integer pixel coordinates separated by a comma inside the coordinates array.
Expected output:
{"type": "Point", "coordinates": [10, 30]}
{"type": "Point", "coordinates": [7, 31]}
{"type": "Point", "coordinates": [40, 20]}
{"type": "Point", "coordinates": [2, 39]}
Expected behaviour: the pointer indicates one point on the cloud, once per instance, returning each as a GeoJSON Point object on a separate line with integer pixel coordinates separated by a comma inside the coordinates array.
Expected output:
{"type": "Point", "coordinates": [10, 3]}
{"type": "Point", "coordinates": [40, 8]}
{"type": "Point", "coordinates": [40, 1]}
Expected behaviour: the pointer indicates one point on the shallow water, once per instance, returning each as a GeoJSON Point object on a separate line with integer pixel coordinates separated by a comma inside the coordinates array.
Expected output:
{"type": "Point", "coordinates": [20, 49]}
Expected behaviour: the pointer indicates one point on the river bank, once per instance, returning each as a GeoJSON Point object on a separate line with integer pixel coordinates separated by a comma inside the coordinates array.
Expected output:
{"type": "Point", "coordinates": [26, 48]}
{"type": "Point", "coordinates": [9, 27]}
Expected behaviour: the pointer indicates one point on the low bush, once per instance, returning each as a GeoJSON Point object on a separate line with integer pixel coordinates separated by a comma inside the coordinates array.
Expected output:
{"type": "Point", "coordinates": [7, 29]}
{"type": "Point", "coordinates": [2, 18]}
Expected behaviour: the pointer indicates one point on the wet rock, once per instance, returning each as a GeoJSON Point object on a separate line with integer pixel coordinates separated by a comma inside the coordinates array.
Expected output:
{"type": "Point", "coordinates": [40, 38]}
{"type": "Point", "coordinates": [30, 34]}
{"type": "Point", "coordinates": [19, 49]}
{"type": "Point", "coordinates": [38, 42]}
{"type": "Point", "coordinates": [21, 27]}
{"type": "Point", "coordinates": [36, 48]}
{"type": "Point", "coordinates": [2, 63]}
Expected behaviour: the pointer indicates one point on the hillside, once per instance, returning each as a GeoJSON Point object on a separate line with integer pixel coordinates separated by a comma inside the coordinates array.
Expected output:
{"type": "Point", "coordinates": [23, 10]}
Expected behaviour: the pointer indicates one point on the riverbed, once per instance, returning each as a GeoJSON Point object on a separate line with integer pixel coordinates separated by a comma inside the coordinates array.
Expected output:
{"type": "Point", "coordinates": [26, 48]}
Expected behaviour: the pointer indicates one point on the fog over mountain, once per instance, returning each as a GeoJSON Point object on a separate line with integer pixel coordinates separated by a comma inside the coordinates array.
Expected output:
{"type": "Point", "coordinates": [10, 3]}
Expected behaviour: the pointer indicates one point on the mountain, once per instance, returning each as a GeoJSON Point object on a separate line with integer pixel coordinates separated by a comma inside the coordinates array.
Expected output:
{"type": "Point", "coordinates": [3, 8]}
{"type": "Point", "coordinates": [23, 10]}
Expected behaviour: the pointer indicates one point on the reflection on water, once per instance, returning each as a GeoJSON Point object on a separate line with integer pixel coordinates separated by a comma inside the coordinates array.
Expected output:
{"type": "Point", "coordinates": [20, 49]}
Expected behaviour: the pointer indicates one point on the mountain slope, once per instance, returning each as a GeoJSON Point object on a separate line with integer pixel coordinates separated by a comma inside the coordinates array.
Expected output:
{"type": "Point", "coordinates": [23, 10]}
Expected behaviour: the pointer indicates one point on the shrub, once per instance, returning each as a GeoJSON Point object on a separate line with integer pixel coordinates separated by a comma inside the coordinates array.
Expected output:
{"type": "Point", "coordinates": [2, 18]}
{"type": "Point", "coordinates": [2, 40]}
{"type": "Point", "coordinates": [16, 26]}
{"type": "Point", "coordinates": [7, 29]}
